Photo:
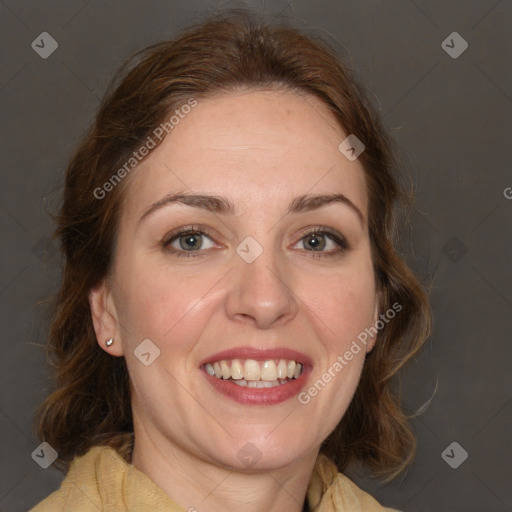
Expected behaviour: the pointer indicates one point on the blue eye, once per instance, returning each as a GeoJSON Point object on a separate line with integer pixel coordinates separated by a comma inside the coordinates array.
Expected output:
{"type": "Point", "coordinates": [323, 243]}
{"type": "Point", "coordinates": [191, 241]}
{"type": "Point", "coordinates": [188, 241]}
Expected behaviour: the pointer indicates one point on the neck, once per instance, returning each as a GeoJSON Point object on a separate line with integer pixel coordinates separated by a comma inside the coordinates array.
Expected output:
{"type": "Point", "coordinates": [196, 484]}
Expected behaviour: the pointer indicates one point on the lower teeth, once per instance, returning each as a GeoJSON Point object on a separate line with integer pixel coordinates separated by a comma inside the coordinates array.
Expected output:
{"type": "Point", "coordinates": [260, 383]}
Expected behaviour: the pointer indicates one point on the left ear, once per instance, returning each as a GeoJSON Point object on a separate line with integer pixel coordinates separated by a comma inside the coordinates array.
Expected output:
{"type": "Point", "coordinates": [104, 319]}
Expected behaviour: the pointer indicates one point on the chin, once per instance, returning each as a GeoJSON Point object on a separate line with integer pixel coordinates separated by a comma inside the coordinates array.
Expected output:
{"type": "Point", "coordinates": [250, 453]}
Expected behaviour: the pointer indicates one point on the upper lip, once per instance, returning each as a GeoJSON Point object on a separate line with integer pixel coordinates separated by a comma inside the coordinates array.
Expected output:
{"type": "Point", "coordinates": [258, 354]}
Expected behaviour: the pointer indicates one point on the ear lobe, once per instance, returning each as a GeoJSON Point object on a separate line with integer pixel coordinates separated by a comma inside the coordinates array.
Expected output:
{"type": "Point", "coordinates": [104, 319]}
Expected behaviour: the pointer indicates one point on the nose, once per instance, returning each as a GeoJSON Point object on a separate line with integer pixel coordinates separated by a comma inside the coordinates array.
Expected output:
{"type": "Point", "coordinates": [261, 292]}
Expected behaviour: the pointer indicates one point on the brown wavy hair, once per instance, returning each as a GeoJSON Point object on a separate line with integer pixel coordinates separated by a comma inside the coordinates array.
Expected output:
{"type": "Point", "coordinates": [91, 403]}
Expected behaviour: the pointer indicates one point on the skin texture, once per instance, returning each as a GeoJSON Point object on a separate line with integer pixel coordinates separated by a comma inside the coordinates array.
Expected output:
{"type": "Point", "coordinates": [261, 149]}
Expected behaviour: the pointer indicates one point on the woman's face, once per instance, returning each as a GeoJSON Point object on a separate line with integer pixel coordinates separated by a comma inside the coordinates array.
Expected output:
{"type": "Point", "coordinates": [252, 289]}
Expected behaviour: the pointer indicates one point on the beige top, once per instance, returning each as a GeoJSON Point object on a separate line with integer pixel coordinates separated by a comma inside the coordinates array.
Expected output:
{"type": "Point", "coordinates": [101, 480]}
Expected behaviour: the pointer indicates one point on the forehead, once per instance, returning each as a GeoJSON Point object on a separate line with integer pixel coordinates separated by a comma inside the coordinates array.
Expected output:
{"type": "Point", "coordinates": [259, 147]}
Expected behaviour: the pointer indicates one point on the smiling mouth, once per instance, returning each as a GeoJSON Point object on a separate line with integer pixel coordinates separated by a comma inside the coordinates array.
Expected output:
{"type": "Point", "coordinates": [255, 374]}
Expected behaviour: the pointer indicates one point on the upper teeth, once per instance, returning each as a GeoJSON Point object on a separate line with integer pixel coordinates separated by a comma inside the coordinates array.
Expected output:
{"type": "Point", "coordinates": [250, 369]}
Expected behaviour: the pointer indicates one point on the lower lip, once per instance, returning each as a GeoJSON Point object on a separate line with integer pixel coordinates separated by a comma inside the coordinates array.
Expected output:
{"type": "Point", "coordinates": [259, 396]}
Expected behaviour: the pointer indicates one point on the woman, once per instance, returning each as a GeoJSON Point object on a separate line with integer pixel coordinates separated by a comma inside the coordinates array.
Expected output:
{"type": "Point", "coordinates": [232, 309]}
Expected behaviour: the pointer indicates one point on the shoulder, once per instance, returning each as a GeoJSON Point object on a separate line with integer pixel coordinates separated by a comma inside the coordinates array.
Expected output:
{"type": "Point", "coordinates": [55, 502]}
{"type": "Point", "coordinates": [79, 491]}
{"type": "Point", "coordinates": [102, 480]}
{"type": "Point", "coordinates": [330, 490]}
{"type": "Point", "coordinates": [355, 495]}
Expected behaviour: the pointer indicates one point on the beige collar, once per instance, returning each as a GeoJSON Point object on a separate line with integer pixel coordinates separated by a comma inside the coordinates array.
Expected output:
{"type": "Point", "coordinates": [102, 480]}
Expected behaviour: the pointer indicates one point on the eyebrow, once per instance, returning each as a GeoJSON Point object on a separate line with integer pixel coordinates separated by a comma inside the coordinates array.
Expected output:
{"type": "Point", "coordinates": [222, 205]}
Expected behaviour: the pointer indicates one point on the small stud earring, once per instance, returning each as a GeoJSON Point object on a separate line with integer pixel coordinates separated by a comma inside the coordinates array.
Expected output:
{"type": "Point", "coordinates": [109, 342]}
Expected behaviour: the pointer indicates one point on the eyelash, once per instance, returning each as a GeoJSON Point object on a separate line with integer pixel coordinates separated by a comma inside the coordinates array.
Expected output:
{"type": "Point", "coordinates": [339, 240]}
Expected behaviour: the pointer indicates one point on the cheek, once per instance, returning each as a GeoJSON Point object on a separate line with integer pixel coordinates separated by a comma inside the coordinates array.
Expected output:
{"type": "Point", "coordinates": [164, 305]}
{"type": "Point", "coordinates": [341, 306]}
{"type": "Point", "coordinates": [342, 303]}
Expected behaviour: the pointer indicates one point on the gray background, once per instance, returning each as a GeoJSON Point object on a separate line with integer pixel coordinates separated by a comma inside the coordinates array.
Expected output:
{"type": "Point", "coordinates": [452, 120]}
